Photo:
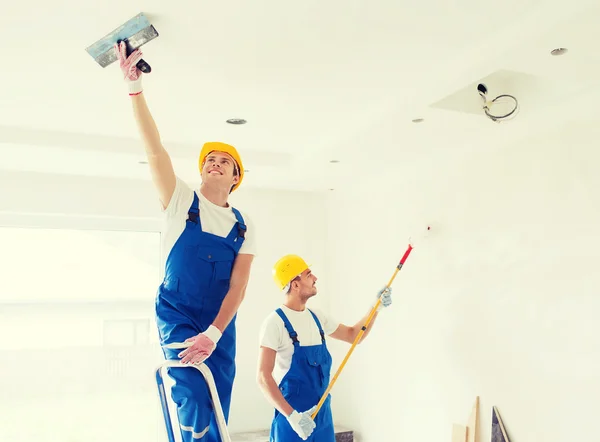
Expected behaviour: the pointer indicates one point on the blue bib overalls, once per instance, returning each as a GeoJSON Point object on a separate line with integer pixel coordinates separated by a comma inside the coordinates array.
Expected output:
{"type": "Point", "coordinates": [197, 275]}
{"type": "Point", "coordinates": [303, 386]}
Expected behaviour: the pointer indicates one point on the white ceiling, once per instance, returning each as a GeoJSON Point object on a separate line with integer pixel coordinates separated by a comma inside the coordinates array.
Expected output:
{"type": "Point", "coordinates": [315, 80]}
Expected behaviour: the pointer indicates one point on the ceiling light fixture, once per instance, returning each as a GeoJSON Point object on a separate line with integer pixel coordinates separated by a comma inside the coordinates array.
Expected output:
{"type": "Point", "coordinates": [558, 51]}
{"type": "Point", "coordinates": [236, 121]}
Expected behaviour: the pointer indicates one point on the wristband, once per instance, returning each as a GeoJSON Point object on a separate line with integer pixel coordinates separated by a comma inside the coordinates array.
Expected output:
{"type": "Point", "coordinates": [213, 333]}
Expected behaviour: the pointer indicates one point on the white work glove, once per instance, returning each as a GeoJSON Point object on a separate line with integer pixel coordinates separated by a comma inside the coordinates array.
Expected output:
{"type": "Point", "coordinates": [201, 346]}
{"type": "Point", "coordinates": [386, 297]}
{"type": "Point", "coordinates": [131, 74]}
{"type": "Point", "coordinates": [302, 423]}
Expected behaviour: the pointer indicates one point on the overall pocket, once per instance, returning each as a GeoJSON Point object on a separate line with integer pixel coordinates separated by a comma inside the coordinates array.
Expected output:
{"type": "Point", "coordinates": [290, 389]}
{"type": "Point", "coordinates": [219, 261]}
{"type": "Point", "coordinates": [316, 360]}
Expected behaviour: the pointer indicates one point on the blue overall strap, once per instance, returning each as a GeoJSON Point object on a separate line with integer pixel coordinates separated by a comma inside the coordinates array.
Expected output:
{"type": "Point", "coordinates": [318, 325]}
{"type": "Point", "coordinates": [193, 211]}
{"type": "Point", "coordinates": [289, 327]}
{"type": "Point", "coordinates": [241, 226]}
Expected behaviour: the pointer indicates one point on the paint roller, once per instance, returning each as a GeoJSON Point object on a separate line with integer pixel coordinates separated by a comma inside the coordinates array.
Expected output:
{"type": "Point", "coordinates": [368, 320]}
{"type": "Point", "coordinates": [135, 33]}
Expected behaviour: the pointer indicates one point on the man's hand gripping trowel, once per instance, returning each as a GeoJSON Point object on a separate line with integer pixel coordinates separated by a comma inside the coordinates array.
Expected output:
{"type": "Point", "coordinates": [134, 33]}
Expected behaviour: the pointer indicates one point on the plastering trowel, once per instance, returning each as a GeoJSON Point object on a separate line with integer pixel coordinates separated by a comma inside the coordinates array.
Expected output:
{"type": "Point", "coordinates": [135, 32]}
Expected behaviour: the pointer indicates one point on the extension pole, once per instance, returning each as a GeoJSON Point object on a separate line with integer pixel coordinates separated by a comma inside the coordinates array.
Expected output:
{"type": "Point", "coordinates": [361, 332]}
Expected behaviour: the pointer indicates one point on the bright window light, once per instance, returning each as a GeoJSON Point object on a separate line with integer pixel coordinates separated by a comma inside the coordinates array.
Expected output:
{"type": "Point", "coordinates": [78, 339]}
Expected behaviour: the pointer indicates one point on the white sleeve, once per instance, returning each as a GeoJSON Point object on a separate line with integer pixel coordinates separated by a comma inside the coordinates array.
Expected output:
{"type": "Point", "coordinates": [249, 245]}
{"type": "Point", "coordinates": [270, 333]}
{"type": "Point", "coordinates": [328, 322]}
{"type": "Point", "coordinates": [182, 198]}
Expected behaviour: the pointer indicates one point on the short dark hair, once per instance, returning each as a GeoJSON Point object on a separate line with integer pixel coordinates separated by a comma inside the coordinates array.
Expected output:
{"type": "Point", "coordinates": [297, 278]}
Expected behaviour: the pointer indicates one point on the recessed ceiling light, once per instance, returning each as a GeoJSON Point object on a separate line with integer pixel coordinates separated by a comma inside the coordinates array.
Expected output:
{"type": "Point", "coordinates": [559, 51]}
{"type": "Point", "coordinates": [418, 120]}
{"type": "Point", "coordinates": [236, 121]}
{"type": "Point", "coordinates": [334, 161]}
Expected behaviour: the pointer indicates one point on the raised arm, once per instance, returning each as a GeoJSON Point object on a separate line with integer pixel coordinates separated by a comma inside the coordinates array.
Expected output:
{"type": "Point", "coordinates": [349, 333]}
{"type": "Point", "coordinates": [159, 161]}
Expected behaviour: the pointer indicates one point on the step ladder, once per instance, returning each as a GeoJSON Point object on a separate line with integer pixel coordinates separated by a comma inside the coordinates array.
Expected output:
{"type": "Point", "coordinates": [208, 377]}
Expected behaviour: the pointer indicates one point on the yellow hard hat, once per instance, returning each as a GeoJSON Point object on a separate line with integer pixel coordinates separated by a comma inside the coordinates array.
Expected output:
{"type": "Point", "coordinates": [213, 146]}
{"type": "Point", "coordinates": [287, 268]}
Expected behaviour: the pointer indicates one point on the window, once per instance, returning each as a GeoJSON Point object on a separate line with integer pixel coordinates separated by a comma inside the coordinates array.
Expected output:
{"type": "Point", "coordinates": [78, 338]}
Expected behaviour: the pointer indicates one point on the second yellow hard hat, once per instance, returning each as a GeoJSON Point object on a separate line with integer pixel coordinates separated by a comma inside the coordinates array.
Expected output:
{"type": "Point", "coordinates": [287, 268]}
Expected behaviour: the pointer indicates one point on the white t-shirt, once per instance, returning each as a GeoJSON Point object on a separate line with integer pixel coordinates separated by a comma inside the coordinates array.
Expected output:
{"type": "Point", "coordinates": [274, 335]}
{"type": "Point", "coordinates": [214, 219]}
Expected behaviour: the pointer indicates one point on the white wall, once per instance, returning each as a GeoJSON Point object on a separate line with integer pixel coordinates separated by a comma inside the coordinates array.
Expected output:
{"type": "Point", "coordinates": [286, 222]}
{"type": "Point", "coordinates": [500, 301]}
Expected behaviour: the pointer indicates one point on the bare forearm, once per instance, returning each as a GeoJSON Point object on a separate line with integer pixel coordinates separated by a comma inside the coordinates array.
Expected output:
{"type": "Point", "coordinates": [273, 394]}
{"type": "Point", "coordinates": [229, 307]}
{"type": "Point", "coordinates": [359, 325]}
{"type": "Point", "coordinates": [159, 161]}
{"type": "Point", "coordinates": [146, 125]}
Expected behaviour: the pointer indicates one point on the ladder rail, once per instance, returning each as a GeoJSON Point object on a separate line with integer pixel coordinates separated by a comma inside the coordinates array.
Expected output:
{"type": "Point", "coordinates": [212, 387]}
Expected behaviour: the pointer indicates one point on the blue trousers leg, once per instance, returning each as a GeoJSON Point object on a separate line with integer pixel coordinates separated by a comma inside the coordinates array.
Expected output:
{"type": "Point", "coordinates": [190, 393]}
{"type": "Point", "coordinates": [222, 365]}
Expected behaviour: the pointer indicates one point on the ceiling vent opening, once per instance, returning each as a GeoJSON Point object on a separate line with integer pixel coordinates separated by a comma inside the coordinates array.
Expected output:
{"type": "Point", "coordinates": [236, 121]}
{"type": "Point", "coordinates": [558, 51]}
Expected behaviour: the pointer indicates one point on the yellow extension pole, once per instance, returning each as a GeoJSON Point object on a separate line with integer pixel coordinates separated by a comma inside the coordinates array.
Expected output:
{"type": "Point", "coordinates": [361, 332]}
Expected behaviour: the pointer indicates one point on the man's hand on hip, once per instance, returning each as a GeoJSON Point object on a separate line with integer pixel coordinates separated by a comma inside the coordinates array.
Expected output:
{"type": "Point", "coordinates": [302, 423]}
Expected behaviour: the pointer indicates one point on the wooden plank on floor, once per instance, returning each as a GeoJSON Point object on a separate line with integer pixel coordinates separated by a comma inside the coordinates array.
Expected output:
{"type": "Point", "coordinates": [473, 423]}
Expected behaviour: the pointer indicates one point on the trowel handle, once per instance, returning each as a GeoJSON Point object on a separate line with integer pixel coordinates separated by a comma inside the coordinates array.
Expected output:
{"type": "Point", "coordinates": [143, 66]}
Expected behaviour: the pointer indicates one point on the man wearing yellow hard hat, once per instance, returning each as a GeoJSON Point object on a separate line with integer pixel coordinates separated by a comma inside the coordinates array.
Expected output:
{"type": "Point", "coordinates": [209, 247]}
{"type": "Point", "coordinates": [294, 362]}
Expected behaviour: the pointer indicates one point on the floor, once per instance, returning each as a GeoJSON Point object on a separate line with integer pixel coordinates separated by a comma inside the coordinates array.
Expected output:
{"type": "Point", "coordinates": [342, 434]}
